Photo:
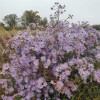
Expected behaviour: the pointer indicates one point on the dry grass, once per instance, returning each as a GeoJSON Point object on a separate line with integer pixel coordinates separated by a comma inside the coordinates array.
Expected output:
{"type": "Point", "coordinates": [4, 37]}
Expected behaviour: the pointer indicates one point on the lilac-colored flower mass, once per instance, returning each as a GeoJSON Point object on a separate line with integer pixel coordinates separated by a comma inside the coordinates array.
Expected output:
{"type": "Point", "coordinates": [43, 62]}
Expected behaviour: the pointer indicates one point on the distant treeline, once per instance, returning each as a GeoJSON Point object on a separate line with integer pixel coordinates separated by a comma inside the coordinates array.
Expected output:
{"type": "Point", "coordinates": [12, 21]}
{"type": "Point", "coordinates": [97, 27]}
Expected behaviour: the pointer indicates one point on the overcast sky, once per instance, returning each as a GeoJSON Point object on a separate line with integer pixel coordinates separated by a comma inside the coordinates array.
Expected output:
{"type": "Point", "coordinates": [83, 10]}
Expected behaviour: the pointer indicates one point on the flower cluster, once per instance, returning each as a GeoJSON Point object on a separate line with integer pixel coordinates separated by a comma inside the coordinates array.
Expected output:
{"type": "Point", "coordinates": [44, 62]}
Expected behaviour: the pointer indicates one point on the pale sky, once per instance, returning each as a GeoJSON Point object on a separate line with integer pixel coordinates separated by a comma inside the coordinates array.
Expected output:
{"type": "Point", "coordinates": [83, 10]}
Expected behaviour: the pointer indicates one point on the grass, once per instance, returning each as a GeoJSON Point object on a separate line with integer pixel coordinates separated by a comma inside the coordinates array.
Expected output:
{"type": "Point", "coordinates": [4, 37]}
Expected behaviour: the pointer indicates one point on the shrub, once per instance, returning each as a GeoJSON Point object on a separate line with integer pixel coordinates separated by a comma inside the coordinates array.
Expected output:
{"type": "Point", "coordinates": [50, 64]}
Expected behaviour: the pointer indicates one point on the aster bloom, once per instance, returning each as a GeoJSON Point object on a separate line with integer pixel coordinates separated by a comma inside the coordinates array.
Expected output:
{"type": "Point", "coordinates": [98, 57]}
{"type": "Point", "coordinates": [97, 75]}
{"type": "Point", "coordinates": [43, 62]}
{"type": "Point", "coordinates": [47, 63]}
{"type": "Point", "coordinates": [84, 74]}
{"type": "Point", "coordinates": [59, 85]}
{"type": "Point", "coordinates": [43, 58]}
{"type": "Point", "coordinates": [67, 92]}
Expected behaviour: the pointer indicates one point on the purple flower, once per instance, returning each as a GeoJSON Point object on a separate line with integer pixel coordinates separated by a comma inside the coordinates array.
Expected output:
{"type": "Point", "coordinates": [97, 76]}
{"type": "Point", "coordinates": [59, 85]}
{"type": "Point", "coordinates": [43, 61]}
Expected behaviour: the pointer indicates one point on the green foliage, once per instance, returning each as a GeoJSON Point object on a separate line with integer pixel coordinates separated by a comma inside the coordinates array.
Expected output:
{"type": "Point", "coordinates": [91, 91]}
{"type": "Point", "coordinates": [30, 17]}
{"type": "Point", "coordinates": [44, 21]}
{"type": "Point", "coordinates": [97, 27]}
{"type": "Point", "coordinates": [1, 24]}
{"type": "Point", "coordinates": [11, 20]}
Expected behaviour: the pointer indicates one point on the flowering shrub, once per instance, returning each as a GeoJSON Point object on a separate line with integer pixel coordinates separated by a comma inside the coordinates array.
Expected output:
{"type": "Point", "coordinates": [44, 65]}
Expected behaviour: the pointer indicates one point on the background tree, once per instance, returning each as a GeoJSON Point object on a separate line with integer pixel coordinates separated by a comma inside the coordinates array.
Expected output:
{"type": "Point", "coordinates": [30, 17]}
{"type": "Point", "coordinates": [97, 27]}
{"type": "Point", "coordinates": [11, 20]}
{"type": "Point", "coordinates": [44, 21]}
{"type": "Point", "coordinates": [1, 24]}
